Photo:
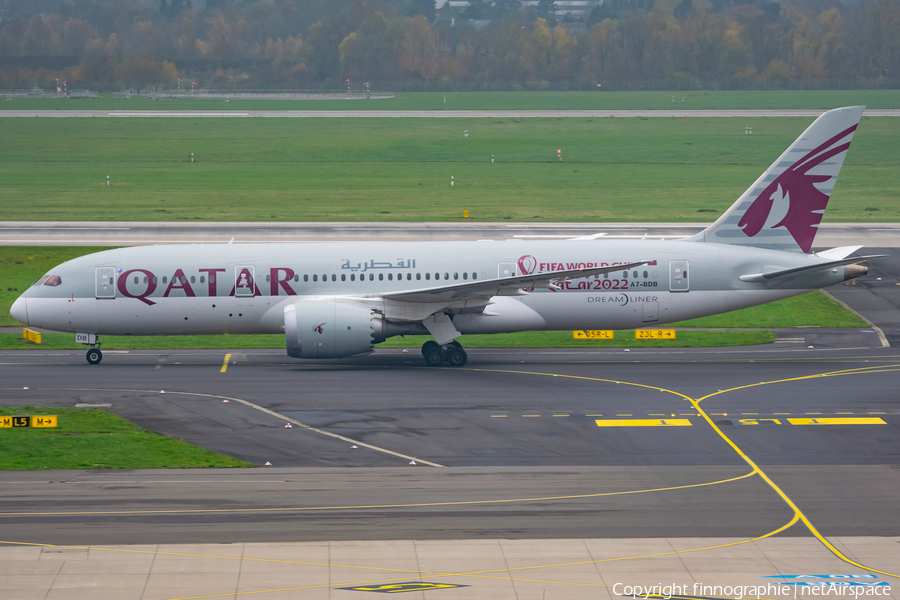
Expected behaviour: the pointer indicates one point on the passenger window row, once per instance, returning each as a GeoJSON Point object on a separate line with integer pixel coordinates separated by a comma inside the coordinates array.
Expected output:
{"type": "Point", "coordinates": [634, 275]}
{"type": "Point", "coordinates": [212, 279]}
{"type": "Point", "coordinates": [381, 277]}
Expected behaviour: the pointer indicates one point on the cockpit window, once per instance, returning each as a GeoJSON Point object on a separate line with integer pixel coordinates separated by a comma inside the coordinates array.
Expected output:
{"type": "Point", "coordinates": [41, 280]}
{"type": "Point", "coordinates": [53, 281]}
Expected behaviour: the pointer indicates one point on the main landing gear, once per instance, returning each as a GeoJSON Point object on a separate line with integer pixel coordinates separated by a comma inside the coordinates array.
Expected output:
{"type": "Point", "coordinates": [435, 354]}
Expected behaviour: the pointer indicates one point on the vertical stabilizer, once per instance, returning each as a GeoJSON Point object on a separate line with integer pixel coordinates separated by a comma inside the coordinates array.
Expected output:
{"type": "Point", "coordinates": [784, 207]}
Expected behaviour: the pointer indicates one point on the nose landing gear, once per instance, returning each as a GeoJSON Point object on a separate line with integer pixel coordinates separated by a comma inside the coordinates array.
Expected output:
{"type": "Point", "coordinates": [94, 356]}
{"type": "Point", "coordinates": [452, 353]}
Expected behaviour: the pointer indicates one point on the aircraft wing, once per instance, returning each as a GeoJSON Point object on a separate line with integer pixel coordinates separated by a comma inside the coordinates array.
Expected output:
{"type": "Point", "coordinates": [495, 287]}
{"type": "Point", "coordinates": [768, 276]}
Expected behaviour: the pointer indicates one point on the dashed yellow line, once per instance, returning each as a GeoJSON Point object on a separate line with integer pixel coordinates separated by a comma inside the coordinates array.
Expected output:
{"type": "Point", "coordinates": [225, 363]}
{"type": "Point", "coordinates": [643, 423]}
{"type": "Point", "coordinates": [838, 421]}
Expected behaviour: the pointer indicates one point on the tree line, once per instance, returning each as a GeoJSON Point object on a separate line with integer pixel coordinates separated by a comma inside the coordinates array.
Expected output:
{"type": "Point", "coordinates": [495, 44]}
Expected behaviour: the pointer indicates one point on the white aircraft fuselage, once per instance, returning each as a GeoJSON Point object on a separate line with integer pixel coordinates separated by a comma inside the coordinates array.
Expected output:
{"type": "Point", "coordinates": [191, 290]}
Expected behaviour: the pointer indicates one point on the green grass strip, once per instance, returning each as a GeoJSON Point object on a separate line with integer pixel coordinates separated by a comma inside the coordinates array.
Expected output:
{"type": "Point", "coordinates": [813, 309]}
{"type": "Point", "coordinates": [96, 439]}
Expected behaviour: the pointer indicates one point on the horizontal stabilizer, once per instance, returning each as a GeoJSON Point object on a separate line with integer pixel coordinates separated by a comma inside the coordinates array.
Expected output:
{"type": "Point", "coordinates": [759, 277]}
{"type": "Point", "coordinates": [838, 253]}
{"type": "Point", "coordinates": [493, 287]}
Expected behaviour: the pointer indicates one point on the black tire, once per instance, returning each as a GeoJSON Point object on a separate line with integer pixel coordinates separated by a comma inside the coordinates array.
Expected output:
{"type": "Point", "coordinates": [456, 356]}
{"type": "Point", "coordinates": [94, 356]}
{"type": "Point", "coordinates": [434, 356]}
{"type": "Point", "coordinates": [430, 346]}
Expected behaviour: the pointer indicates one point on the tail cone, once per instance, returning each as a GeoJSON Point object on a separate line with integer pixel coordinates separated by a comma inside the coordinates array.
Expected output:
{"type": "Point", "coordinates": [853, 271]}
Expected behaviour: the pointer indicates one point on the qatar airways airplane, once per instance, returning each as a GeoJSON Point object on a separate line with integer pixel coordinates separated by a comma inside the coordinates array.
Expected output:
{"type": "Point", "coordinates": [334, 300]}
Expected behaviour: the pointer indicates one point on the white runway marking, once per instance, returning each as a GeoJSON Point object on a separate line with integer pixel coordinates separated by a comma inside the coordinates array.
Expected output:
{"type": "Point", "coordinates": [441, 114]}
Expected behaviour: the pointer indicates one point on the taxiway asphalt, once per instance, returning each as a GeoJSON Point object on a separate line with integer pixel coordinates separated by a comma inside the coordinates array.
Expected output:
{"type": "Point", "coordinates": [517, 435]}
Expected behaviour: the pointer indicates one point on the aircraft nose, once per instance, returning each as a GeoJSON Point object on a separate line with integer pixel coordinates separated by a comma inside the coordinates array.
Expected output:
{"type": "Point", "coordinates": [19, 310]}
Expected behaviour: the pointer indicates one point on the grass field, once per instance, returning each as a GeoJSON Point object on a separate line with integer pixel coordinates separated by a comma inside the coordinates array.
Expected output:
{"type": "Point", "coordinates": [399, 169]}
{"type": "Point", "coordinates": [96, 439]}
{"type": "Point", "coordinates": [596, 100]}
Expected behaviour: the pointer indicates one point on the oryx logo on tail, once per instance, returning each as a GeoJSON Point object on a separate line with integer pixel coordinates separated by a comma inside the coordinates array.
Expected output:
{"type": "Point", "coordinates": [783, 208]}
{"type": "Point", "coordinates": [792, 200]}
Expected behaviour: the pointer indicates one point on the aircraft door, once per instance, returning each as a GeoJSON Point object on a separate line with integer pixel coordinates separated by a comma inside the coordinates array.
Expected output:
{"type": "Point", "coordinates": [506, 269]}
{"type": "Point", "coordinates": [678, 276]}
{"type": "Point", "coordinates": [244, 282]}
{"type": "Point", "coordinates": [105, 282]}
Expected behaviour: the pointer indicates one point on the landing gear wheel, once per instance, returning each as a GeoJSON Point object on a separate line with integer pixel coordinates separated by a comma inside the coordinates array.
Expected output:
{"type": "Point", "coordinates": [434, 356]}
{"type": "Point", "coordinates": [430, 346]}
{"type": "Point", "coordinates": [456, 356]}
{"type": "Point", "coordinates": [94, 356]}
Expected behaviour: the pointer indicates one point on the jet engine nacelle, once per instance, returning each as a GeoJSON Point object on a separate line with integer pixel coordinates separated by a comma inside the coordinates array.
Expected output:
{"type": "Point", "coordinates": [330, 328]}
